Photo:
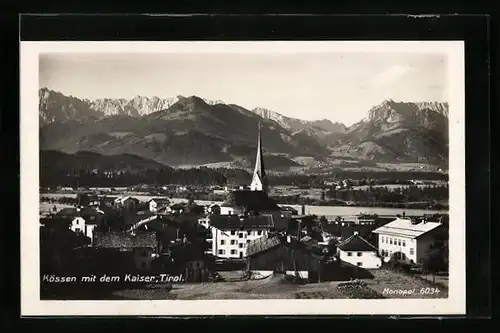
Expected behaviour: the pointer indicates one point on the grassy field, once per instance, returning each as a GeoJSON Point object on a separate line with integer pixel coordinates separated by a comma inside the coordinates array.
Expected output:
{"type": "Point", "coordinates": [277, 288]}
{"type": "Point", "coordinates": [384, 278]}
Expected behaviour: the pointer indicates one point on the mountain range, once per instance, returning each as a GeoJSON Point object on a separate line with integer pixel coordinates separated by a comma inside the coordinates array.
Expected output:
{"type": "Point", "coordinates": [192, 131]}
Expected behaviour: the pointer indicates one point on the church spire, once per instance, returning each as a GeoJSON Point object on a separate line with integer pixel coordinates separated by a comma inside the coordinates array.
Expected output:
{"type": "Point", "coordinates": [259, 179]}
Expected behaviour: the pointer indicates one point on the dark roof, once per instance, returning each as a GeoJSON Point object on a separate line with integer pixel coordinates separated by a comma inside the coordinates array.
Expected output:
{"type": "Point", "coordinates": [263, 243]}
{"type": "Point", "coordinates": [227, 222]}
{"type": "Point", "coordinates": [119, 239]}
{"type": "Point", "coordinates": [289, 209]}
{"type": "Point", "coordinates": [356, 243]}
{"type": "Point", "coordinates": [251, 200]}
{"type": "Point", "coordinates": [269, 242]}
{"type": "Point", "coordinates": [89, 211]}
{"type": "Point", "coordinates": [68, 213]}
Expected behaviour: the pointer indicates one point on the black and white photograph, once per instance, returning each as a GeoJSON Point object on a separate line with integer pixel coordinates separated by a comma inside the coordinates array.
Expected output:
{"type": "Point", "coordinates": [252, 172]}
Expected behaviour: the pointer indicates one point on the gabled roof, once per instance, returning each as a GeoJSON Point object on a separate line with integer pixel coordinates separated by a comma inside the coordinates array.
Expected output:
{"type": "Point", "coordinates": [405, 228]}
{"type": "Point", "coordinates": [118, 239]}
{"type": "Point", "coordinates": [233, 222]}
{"type": "Point", "coordinates": [356, 243]}
{"type": "Point", "coordinates": [263, 243]}
{"type": "Point", "coordinates": [251, 200]}
{"type": "Point", "coordinates": [269, 242]}
{"type": "Point", "coordinates": [68, 213]}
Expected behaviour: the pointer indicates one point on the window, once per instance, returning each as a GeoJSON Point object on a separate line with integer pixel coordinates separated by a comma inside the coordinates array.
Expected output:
{"type": "Point", "coordinates": [233, 232]}
{"type": "Point", "coordinates": [222, 242]}
{"type": "Point", "coordinates": [240, 235]}
{"type": "Point", "coordinates": [259, 233]}
{"type": "Point", "coordinates": [360, 254]}
{"type": "Point", "coordinates": [399, 242]}
{"type": "Point", "coordinates": [233, 242]}
{"type": "Point", "coordinates": [404, 243]}
{"type": "Point", "coordinates": [382, 239]}
{"type": "Point", "coordinates": [248, 241]}
{"type": "Point", "coordinates": [412, 251]}
{"type": "Point", "coordinates": [241, 245]}
{"type": "Point", "coordinates": [221, 252]}
{"type": "Point", "coordinates": [390, 240]}
{"type": "Point", "coordinates": [233, 251]}
{"type": "Point", "coordinates": [359, 264]}
{"type": "Point", "coordinates": [403, 256]}
{"type": "Point", "coordinates": [349, 254]}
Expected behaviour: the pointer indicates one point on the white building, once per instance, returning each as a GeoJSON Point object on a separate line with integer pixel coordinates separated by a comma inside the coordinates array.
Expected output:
{"type": "Point", "coordinates": [231, 233]}
{"type": "Point", "coordinates": [407, 239]}
{"type": "Point", "coordinates": [357, 251]}
{"type": "Point", "coordinates": [156, 204]}
{"type": "Point", "coordinates": [78, 224]}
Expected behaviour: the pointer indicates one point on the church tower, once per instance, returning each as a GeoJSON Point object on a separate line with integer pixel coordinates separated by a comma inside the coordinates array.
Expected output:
{"type": "Point", "coordinates": [259, 179]}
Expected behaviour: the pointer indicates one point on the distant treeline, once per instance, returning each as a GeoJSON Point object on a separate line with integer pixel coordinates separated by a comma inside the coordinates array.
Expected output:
{"type": "Point", "coordinates": [396, 195]}
{"type": "Point", "coordinates": [359, 177]}
{"type": "Point", "coordinates": [78, 178]}
{"type": "Point", "coordinates": [53, 176]}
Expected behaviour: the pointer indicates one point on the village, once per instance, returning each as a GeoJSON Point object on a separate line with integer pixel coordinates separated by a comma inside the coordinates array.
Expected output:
{"type": "Point", "coordinates": [247, 237]}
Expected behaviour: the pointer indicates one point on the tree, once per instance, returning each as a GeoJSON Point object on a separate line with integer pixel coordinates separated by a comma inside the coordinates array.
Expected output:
{"type": "Point", "coordinates": [436, 258]}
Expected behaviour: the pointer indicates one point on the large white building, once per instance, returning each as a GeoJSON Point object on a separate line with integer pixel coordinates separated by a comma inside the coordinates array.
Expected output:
{"type": "Point", "coordinates": [408, 240]}
{"type": "Point", "coordinates": [232, 233]}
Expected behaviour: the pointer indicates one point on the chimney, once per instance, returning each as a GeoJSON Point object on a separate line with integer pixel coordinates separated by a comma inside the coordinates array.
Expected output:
{"type": "Point", "coordinates": [404, 214]}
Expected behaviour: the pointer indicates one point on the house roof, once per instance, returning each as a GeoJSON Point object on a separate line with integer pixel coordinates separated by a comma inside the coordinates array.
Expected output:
{"type": "Point", "coordinates": [251, 200]}
{"type": "Point", "coordinates": [263, 243]}
{"type": "Point", "coordinates": [356, 243]}
{"type": "Point", "coordinates": [405, 228]}
{"type": "Point", "coordinates": [231, 222]}
{"type": "Point", "coordinates": [163, 201]}
{"type": "Point", "coordinates": [288, 208]}
{"type": "Point", "coordinates": [268, 242]}
{"type": "Point", "coordinates": [68, 213]}
{"type": "Point", "coordinates": [119, 239]}
{"type": "Point", "coordinates": [89, 211]}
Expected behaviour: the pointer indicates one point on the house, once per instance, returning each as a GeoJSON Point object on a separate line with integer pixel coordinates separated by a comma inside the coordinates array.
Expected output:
{"type": "Point", "coordinates": [136, 251]}
{"type": "Point", "coordinates": [278, 254]}
{"type": "Point", "coordinates": [359, 252]}
{"type": "Point", "coordinates": [156, 204]}
{"type": "Point", "coordinates": [289, 211]}
{"type": "Point", "coordinates": [86, 221]}
{"type": "Point", "coordinates": [232, 233]}
{"type": "Point", "coordinates": [245, 201]}
{"type": "Point", "coordinates": [85, 199]}
{"type": "Point", "coordinates": [407, 239]}
{"type": "Point", "coordinates": [127, 203]}
{"type": "Point", "coordinates": [214, 209]}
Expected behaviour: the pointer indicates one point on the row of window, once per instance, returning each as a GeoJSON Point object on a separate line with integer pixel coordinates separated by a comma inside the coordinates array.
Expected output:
{"type": "Point", "coordinates": [399, 255]}
{"type": "Point", "coordinates": [233, 242]}
{"type": "Point", "coordinates": [233, 252]}
{"type": "Point", "coordinates": [250, 233]}
{"type": "Point", "coordinates": [359, 254]}
{"type": "Point", "coordinates": [393, 241]}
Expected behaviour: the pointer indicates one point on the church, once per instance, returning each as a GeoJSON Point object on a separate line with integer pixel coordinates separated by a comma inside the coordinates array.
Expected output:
{"type": "Point", "coordinates": [255, 200]}
{"type": "Point", "coordinates": [246, 215]}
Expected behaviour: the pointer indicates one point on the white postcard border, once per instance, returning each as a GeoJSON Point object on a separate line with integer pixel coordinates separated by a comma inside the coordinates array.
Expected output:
{"type": "Point", "coordinates": [31, 305]}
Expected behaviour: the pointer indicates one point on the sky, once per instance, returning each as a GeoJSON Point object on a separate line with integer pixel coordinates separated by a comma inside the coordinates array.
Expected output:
{"type": "Point", "coordinates": [341, 87]}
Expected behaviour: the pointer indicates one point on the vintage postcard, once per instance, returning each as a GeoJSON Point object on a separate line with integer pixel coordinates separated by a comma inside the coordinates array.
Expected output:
{"type": "Point", "coordinates": [242, 178]}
